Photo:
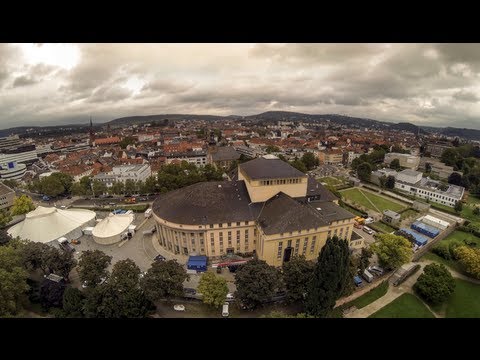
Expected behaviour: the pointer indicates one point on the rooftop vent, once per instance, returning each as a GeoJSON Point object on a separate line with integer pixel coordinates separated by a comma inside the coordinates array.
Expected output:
{"type": "Point", "coordinates": [219, 186]}
{"type": "Point", "coordinates": [319, 209]}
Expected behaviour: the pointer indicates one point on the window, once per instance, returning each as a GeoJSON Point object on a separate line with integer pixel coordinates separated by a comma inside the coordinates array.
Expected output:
{"type": "Point", "coordinates": [289, 243]}
{"type": "Point", "coordinates": [229, 224]}
{"type": "Point", "coordinates": [229, 236]}
{"type": "Point", "coordinates": [305, 244]}
{"type": "Point", "coordinates": [246, 222]}
{"type": "Point", "coordinates": [238, 235]}
{"type": "Point", "coordinates": [238, 223]}
{"type": "Point", "coordinates": [312, 247]}
{"type": "Point", "coordinates": [335, 232]}
{"type": "Point", "coordinates": [201, 242]}
{"type": "Point", "coordinates": [211, 226]}
{"type": "Point", "coordinates": [193, 241]}
{"type": "Point", "coordinates": [280, 248]}
{"type": "Point", "coordinates": [192, 234]}
{"type": "Point", "coordinates": [297, 246]}
{"type": "Point", "coordinates": [246, 234]}
{"type": "Point", "coordinates": [220, 225]}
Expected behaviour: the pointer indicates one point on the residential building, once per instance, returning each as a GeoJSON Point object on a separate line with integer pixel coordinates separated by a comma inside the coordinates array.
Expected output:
{"type": "Point", "coordinates": [351, 155]}
{"type": "Point", "coordinates": [273, 210]}
{"type": "Point", "coordinates": [406, 160]}
{"type": "Point", "coordinates": [125, 172]}
{"type": "Point", "coordinates": [391, 217]}
{"type": "Point", "coordinates": [198, 158]}
{"type": "Point", "coordinates": [26, 154]}
{"type": "Point", "coordinates": [248, 151]}
{"type": "Point", "coordinates": [222, 157]}
{"type": "Point", "coordinates": [106, 141]}
{"type": "Point", "coordinates": [437, 149]}
{"type": "Point", "coordinates": [330, 156]}
{"type": "Point", "coordinates": [7, 196]}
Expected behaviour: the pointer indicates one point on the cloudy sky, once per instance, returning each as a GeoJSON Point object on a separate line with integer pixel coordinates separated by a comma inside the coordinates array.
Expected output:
{"type": "Point", "coordinates": [425, 84]}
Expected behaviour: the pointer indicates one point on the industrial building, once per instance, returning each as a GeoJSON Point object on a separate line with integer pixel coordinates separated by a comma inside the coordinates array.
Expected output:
{"type": "Point", "coordinates": [7, 196]}
{"type": "Point", "coordinates": [406, 160]}
{"type": "Point", "coordinates": [272, 210]}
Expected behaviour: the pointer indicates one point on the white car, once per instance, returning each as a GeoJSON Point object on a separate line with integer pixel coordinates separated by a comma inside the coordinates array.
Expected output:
{"type": "Point", "coordinates": [178, 307]}
{"type": "Point", "coordinates": [230, 297]}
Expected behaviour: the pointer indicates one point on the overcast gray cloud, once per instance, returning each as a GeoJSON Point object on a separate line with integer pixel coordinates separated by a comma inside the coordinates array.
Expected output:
{"type": "Point", "coordinates": [426, 84]}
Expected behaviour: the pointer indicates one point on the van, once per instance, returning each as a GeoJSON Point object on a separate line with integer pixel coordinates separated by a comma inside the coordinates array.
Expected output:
{"type": "Point", "coordinates": [225, 310]}
{"type": "Point", "coordinates": [367, 276]}
{"type": "Point", "coordinates": [367, 230]}
{"type": "Point", "coordinates": [65, 245]}
{"type": "Point", "coordinates": [148, 213]}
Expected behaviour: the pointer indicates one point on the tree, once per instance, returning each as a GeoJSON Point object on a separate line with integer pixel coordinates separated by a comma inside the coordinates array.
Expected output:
{"type": "Point", "coordinates": [395, 164]}
{"type": "Point", "coordinates": [296, 274]}
{"type": "Point", "coordinates": [65, 179]}
{"type": "Point", "coordinates": [22, 205]}
{"type": "Point", "coordinates": [73, 302]}
{"type": "Point", "coordinates": [51, 294]}
{"type": "Point", "coordinates": [272, 148]}
{"type": "Point", "coordinates": [5, 217]}
{"type": "Point", "coordinates": [92, 266]}
{"type": "Point", "coordinates": [436, 284]}
{"type": "Point", "coordinates": [364, 171]}
{"type": "Point", "coordinates": [390, 182]}
{"type": "Point", "coordinates": [392, 250]}
{"type": "Point", "coordinates": [310, 160]}
{"type": "Point", "coordinates": [164, 280]}
{"type": "Point", "coordinates": [125, 276]}
{"type": "Point", "coordinates": [458, 206]}
{"type": "Point", "coordinates": [214, 289]}
{"type": "Point", "coordinates": [455, 178]}
{"type": "Point", "coordinates": [86, 183]}
{"type": "Point", "coordinates": [476, 211]}
{"type": "Point", "coordinates": [98, 187]}
{"type": "Point", "coordinates": [469, 258]}
{"type": "Point", "coordinates": [382, 180]}
{"type": "Point", "coordinates": [13, 280]}
{"type": "Point", "coordinates": [51, 186]}
{"type": "Point", "coordinates": [4, 237]}
{"type": "Point", "coordinates": [118, 188]}
{"type": "Point", "coordinates": [449, 156]}
{"type": "Point", "coordinates": [299, 165]}
{"type": "Point", "coordinates": [150, 185]}
{"type": "Point", "coordinates": [126, 141]}
{"type": "Point", "coordinates": [329, 278]}
{"type": "Point", "coordinates": [256, 283]}
{"type": "Point", "coordinates": [428, 168]}
{"type": "Point", "coordinates": [60, 262]}
{"type": "Point", "coordinates": [364, 261]}
{"type": "Point", "coordinates": [130, 187]}
{"type": "Point", "coordinates": [278, 314]}
{"type": "Point", "coordinates": [77, 189]}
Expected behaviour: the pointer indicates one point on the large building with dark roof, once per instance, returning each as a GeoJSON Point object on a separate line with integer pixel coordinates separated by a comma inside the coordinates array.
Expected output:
{"type": "Point", "coordinates": [270, 209]}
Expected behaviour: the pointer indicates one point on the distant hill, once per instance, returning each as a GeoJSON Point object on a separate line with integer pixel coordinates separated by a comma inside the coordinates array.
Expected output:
{"type": "Point", "coordinates": [149, 118]}
{"type": "Point", "coordinates": [337, 119]}
{"type": "Point", "coordinates": [470, 134]}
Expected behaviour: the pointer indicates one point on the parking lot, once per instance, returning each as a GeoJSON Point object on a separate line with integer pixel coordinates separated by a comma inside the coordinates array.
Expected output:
{"type": "Point", "coordinates": [329, 170]}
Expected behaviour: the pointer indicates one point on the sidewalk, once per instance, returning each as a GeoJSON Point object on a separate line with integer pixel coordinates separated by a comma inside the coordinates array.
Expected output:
{"type": "Point", "coordinates": [181, 259]}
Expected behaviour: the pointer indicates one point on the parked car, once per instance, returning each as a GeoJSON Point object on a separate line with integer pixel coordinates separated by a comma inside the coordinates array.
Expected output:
{"type": "Point", "coordinates": [159, 258]}
{"type": "Point", "coordinates": [69, 197]}
{"type": "Point", "coordinates": [45, 198]}
{"type": "Point", "coordinates": [358, 281]}
{"type": "Point", "coordinates": [225, 312]}
{"type": "Point", "coordinates": [178, 307]}
{"type": "Point", "coordinates": [376, 269]}
{"type": "Point", "coordinates": [230, 297]}
{"type": "Point", "coordinates": [189, 291]}
{"type": "Point", "coordinates": [368, 230]}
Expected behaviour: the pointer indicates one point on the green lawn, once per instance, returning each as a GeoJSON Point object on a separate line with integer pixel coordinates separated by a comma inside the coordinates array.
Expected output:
{"type": "Point", "coordinates": [361, 197]}
{"type": "Point", "coordinates": [369, 297]}
{"type": "Point", "coordinates": [464, 302]}
{"type": "Point", "coordinates": [460, 235]}
{"type": "Point", "coordinates": [408, 213]}
{"type": "Point", "coordinates": [405, 306]}
{"type": "Point", "coordinates": [454, 265]}
{"type": "Point", "coordinates": [332, 181]}
{"type": "Point", "coordinates": [350, 209]}
{"type": "Point", "coordinates": [382, 227]}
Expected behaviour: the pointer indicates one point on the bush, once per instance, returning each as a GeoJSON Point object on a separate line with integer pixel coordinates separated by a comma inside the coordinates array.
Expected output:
{"type": "Point", "coordinates": [453, 246]}
{"type": "Point", "coordinates": [443, 250]}
{"type": "Point", "coordinates": [436, 284]}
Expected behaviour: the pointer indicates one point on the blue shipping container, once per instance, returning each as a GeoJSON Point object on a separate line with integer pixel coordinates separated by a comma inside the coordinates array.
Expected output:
{"type": "Point", "coordinates": [423, 228]}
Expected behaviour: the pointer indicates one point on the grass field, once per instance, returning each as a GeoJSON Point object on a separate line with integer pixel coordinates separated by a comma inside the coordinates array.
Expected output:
{"type": "Point", "coordinates": [369, 297]}
{"type": "Point", "coordinates": [464, 302]}
{"type": "Point", "coordinates": [408, 213]}
{"type": "Point", "coordinates": [376, 203]}
{"type": "Point", "coordinates": [330, 180]}
{"type": "Point", "coordinates": [454, 265]}
{"type": "Point", "coordinates": [382, 227]}
{"type": "Point", "coordinates": [405, 306]}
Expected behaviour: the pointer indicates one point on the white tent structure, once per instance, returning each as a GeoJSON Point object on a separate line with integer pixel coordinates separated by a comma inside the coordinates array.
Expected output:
{"type": "Point", "coordinates": [109, 230]}
{"type": "Point", "coordinates": [45, 224]}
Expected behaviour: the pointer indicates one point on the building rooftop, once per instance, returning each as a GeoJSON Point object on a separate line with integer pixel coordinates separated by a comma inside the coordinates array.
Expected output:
{"type": "Point", "coordinates": [205, 203]}
{"type": "Point", "coordinates": [269, 167]}
{"type": "Point", "coordinates": [281, 214]}
{"type": "Point", "coordinates": [314, 188]}
{"type": "Point", "coordinates": [409, 172]}
{"type": "Point", "coordinates": [391, 214]}
{"type": "Point", "coordinates": [225, 153]}
{"type": "Point", "coordinates": [329, 211]}
{"type": "Point", "coordinates": [4, 189]}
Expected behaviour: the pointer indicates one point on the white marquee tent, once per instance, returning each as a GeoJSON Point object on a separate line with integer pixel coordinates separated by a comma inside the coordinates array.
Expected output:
{"type": "Point", "coordinates": [45, 224]}
{"type": "Point", "coordinates": [109, 230]}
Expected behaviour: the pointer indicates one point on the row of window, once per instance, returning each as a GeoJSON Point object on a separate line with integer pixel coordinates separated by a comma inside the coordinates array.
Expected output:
{"type": "Point", "coordinates": [281, 181]}
{"type": "Point", "coordinates": [238, 223]}
{"type": "Point", "coordinates": [434, 195]}
{"type": "Point", "coordinates": [297, 247]}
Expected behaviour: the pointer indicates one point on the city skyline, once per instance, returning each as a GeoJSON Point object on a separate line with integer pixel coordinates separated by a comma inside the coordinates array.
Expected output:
{"type": "Point", "coordinates": [425, 84]}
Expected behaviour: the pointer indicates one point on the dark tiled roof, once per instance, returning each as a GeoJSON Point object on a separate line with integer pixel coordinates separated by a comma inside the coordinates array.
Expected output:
{"type": "Point", "coordinates": [4, 189]}
{"type": "Point", "coordinates": [329, 211]}
{"type": "Point", "coordinates": [261, 168]}
{"type": "Point", "coordinates": [282, 214]}
{"type": "Point", "coordinates": [225, 153]}
{"type": "Point", "coordinates": [205, 203]}
{"type": "Point", "coordinates": [314, 188]}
